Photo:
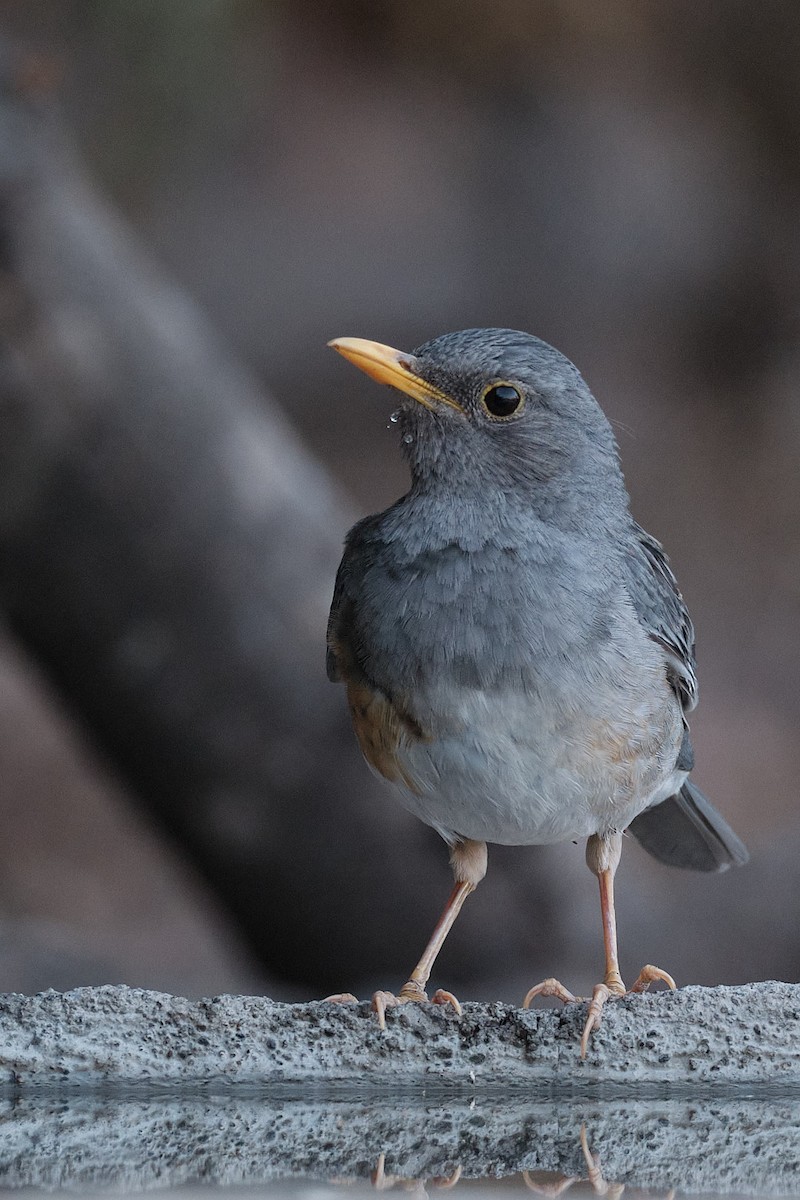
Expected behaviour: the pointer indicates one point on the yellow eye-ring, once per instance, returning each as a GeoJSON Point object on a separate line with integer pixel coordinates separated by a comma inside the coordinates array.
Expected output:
{"type": "Point", "coordinates": [502, 400]}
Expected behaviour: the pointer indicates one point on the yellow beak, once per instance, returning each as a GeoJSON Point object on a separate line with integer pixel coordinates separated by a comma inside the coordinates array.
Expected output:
{"type": "Point", "coordinates": [386, 365]}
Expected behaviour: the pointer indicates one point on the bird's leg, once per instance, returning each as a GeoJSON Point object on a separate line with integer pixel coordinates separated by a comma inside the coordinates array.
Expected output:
{"type": "Point", "coordinates": [602, 857]}
{"type": "Point", "coordinates": [468, 860]}
{"type": "Point", "coordinates": [535, 1182]}
{"type": "Point", "coordinates": [599, 1185]}
{"type": "Point", "coordinates": [414, 988]}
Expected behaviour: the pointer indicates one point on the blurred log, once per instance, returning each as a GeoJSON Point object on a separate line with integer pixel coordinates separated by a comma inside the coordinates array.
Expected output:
{"type": "Point", "coordinates": [89, 891]}
{"type": "Point", "coordinates": [167, 552]}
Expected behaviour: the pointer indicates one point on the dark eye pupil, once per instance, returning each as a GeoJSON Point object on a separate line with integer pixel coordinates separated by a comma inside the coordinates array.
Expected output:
{"type": "Point", "coordinates": [502, 400]}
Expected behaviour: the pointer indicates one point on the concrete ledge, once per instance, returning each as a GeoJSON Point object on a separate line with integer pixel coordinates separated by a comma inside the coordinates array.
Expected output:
{"type": "Point", "coordinates": [122, 1037]}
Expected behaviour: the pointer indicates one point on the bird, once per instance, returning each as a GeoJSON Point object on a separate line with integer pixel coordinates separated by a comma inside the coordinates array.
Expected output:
{"type": "Point", "coordinates": [518, 660]}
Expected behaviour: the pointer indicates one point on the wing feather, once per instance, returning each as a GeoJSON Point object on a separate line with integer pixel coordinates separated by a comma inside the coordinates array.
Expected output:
{"type": "Point", "coordinates": [659, 605]}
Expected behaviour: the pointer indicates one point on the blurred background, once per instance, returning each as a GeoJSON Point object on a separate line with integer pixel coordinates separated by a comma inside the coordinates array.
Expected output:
{"type": "Point", "coordinates": [194, 197]}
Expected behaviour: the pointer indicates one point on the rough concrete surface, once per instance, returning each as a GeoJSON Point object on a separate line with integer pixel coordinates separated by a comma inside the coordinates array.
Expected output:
{"type": "Point", "coordinates": [119, 1036]}
{"type": "Point", "coordinates": [122, 1089]}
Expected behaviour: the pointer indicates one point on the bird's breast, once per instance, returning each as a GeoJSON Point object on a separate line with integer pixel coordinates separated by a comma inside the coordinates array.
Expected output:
{"type": "Point", "coordinates": [513, 704]}
{"type": "Point", "coordinates": [503, 615]}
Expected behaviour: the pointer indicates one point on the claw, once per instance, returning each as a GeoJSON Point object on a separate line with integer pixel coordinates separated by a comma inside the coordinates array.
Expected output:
{"type": "Point", "coordinates": [380, 1002]}
{"type": "Point", "coordinates": [599, 1185]}
{"type": "Point", "coordinates": [547, 1187]}
{"type": "Point", "coordinates": [648, 974]}
{"type": "Point", "coordinates": [651, 974]}
{"type": "Point", "coordinates": [445, 1182]}
{"type": "Point", "coordinates": [410, 993]}
{"type": "Point", "coordinates": [382, 1182]}
{"type": "Point", "coordinates": [549, 987]}
{"type": "Point", "coordinates": [599, 996]}
{"type": "Point", "coordinates": [611, 987]}
{"type": "Point", "coordinates": [442, 997]}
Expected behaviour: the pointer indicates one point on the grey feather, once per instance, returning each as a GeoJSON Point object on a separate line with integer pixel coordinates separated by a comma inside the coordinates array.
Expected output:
{"type": "Point", "coordinates": [659, 604]}
{"type": "Point", "coordinates": [687, 831]}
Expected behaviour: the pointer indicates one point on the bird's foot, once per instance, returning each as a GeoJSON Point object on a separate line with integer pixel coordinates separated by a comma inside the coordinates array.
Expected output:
{"type": "Point", "coordinates": [554, 1186]}
{"type": "Point", "coordinates": [612, 986]}
{"type": "Point", "coordinates": [550, 987]}
{"type": "Point", "coordinates": [545, 1183]}
{"type": "Point", "coordinates": [381, 1181]}
{"type": "Point", "coordinates": [410, 993]}
{"type": "Point", "coordinates": [600, 1186]}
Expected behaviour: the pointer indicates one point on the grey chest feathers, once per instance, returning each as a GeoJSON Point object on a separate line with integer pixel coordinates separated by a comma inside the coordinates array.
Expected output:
{"type": "Point", "coordinates": [510, 694]}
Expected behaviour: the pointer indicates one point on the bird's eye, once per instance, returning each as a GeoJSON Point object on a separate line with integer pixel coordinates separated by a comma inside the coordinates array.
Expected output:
{"type": "Point", "coordinates": [502, 399]}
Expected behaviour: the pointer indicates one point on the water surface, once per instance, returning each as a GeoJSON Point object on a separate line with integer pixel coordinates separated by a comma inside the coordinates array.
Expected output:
{"type": "Point", "coordinates": [734, 1143]}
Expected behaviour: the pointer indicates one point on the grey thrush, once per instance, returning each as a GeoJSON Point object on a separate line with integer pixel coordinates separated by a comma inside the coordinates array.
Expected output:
{"type": "Point", "coordinates": [518, 659]}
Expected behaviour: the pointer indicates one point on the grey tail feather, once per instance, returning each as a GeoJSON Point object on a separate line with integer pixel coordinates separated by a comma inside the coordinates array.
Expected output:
{"type": "Point", "coordinates": [687, 831]}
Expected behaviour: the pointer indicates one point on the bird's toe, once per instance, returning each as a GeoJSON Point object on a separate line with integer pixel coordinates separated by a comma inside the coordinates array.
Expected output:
{"type": "Point", "coordinates": [549, 987]}
{"type": "Point", "coordinates": [650, 974]}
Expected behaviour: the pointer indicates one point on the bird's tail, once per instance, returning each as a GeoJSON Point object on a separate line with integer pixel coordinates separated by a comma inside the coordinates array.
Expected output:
{"type": "Point", "coordinates": [687, 831]}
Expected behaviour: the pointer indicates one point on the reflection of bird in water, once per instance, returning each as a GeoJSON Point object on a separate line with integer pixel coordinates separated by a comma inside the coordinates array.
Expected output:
{"type": "Point", "coordinates": [535, 1182]}
{"type": "Point", "coordinates": [518, 659]}
{"type": "Point", "coordinates": [383, 1182]}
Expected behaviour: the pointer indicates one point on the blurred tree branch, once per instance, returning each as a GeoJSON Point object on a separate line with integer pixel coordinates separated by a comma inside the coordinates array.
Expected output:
{"type": "Point", "coordinates": [167, 551]}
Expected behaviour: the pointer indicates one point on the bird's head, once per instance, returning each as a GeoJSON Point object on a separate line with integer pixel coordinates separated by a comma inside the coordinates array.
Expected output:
{"type": "Point", "coordinates": [499, 411]}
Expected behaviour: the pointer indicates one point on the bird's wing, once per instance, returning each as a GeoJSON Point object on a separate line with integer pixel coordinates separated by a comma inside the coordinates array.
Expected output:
{"type": "Point", "coordinates": [341, 658]}
{"type": "Point", "coordinates": [659, 605]}
{"type": "Point", "coordinates": [382, 726]}
{"type": "Point", "coordinates": [340, 605]}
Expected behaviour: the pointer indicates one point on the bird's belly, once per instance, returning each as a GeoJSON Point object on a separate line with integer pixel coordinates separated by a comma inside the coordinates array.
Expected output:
{"type": "Point", "coordinates": [516, 771]}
